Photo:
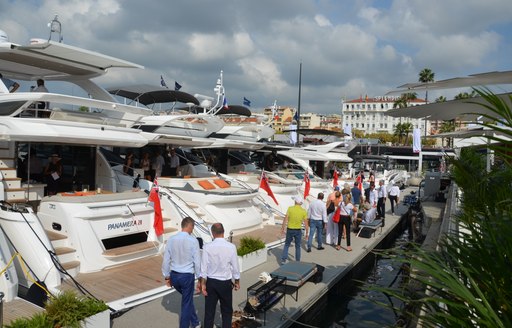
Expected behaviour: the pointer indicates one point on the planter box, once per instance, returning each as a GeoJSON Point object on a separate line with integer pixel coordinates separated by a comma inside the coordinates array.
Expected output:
{"type": "Point", "coordinates": [99, 320]}
{"type": "Point", "coordinates": [252, 260]}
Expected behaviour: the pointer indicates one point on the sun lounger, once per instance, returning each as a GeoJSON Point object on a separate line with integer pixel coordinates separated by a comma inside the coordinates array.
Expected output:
{"type": "Point", "coordinates": [296, 274]}
{"type": "Point", "coordinates": [373, 226]}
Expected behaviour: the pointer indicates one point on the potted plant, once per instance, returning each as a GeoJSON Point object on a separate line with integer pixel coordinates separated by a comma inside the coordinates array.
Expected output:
{"type": "Point", "coordinates": [251, 252]}
{"type": "Point", "coordinates": [68, 310]}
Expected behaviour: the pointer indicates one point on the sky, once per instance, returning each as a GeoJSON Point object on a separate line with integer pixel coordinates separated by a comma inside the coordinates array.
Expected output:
{"type": "Point", "coordinates": [346, 49]}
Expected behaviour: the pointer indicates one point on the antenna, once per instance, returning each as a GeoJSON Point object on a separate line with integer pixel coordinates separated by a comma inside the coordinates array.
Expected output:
{"type": "Point", "coordinates": [55, 27]}
{"type": "Point", "coordinates": [219, 91]}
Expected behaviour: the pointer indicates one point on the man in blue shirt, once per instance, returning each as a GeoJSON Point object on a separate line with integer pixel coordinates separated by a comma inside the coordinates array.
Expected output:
{"type": "Point", "coordinates": [180, 267]}
{"type": "Point", "coordinates": [356, 195]}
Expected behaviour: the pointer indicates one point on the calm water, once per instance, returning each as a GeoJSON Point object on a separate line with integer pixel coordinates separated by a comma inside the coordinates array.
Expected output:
{"type": "Point", "coordinates": [354, 307]}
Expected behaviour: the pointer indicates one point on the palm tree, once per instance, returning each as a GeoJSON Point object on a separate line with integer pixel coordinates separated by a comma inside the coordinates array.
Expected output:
{"type": "Point", "coordinates": [407, 127]}
{"type": "Point", "coordinates": [465, 95]}
{"type": "Point", "coordinates": [426, 76]}
{"type": "Point", "coordinates": [447, 126]}
{"type": "Point", "coordinates": [400, 131]}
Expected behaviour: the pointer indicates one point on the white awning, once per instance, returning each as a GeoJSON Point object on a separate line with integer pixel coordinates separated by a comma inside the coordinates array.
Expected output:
{"type": "Point", "coordinates": [489, 78]}
{"type": "Point", "coordinates": [464, 109]}
{"type": "Point", "coordinates": [51, 60]}
{"type": "Point", "coordinates": [45, 130]}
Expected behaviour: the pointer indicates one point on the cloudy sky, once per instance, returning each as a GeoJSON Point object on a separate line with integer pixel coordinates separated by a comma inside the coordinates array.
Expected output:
{"type": "Point", "coordinates": [347, 48]}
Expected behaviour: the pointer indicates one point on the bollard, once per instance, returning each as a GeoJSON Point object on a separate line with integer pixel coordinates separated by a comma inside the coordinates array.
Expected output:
{"type": "Point", "coordinates": [1, 309]}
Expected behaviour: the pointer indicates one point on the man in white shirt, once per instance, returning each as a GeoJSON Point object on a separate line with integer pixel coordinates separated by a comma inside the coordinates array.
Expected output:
{"type": "Point", "coordinates": [219, 267]}
{"type": "Point", "coordinates": [394, 197]}
{"type": "Point", "coordinates": [317, 214]}
{"type": "Point", "coordinates": [368, 216]}
{"type": "Point", "coordinates": [158, 164]}
{"type": "Point", "coordinates": [371, 195]}
{"type": "Point", "coordinates": [381, 202]}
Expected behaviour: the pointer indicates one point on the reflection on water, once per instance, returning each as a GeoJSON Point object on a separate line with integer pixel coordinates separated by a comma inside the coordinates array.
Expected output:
{"type": "Point", "coordinates": [356, 308]}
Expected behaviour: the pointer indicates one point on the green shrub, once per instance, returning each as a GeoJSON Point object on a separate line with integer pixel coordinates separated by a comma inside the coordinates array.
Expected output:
{"type": "Point", "coordinates": [38, 320]}
{"type": "Point", "coordinates": [64, 310]}
{"type": "Point", "coordinates": [249, 245]}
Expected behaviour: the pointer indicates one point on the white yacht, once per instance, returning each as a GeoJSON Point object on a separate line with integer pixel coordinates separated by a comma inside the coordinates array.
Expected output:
{"type": "Point", "coordinates": [95, 235]}
{"type": "Point", "coordinates": [179, 113]}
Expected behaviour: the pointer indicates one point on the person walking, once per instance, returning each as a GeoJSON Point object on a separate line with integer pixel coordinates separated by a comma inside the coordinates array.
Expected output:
{"type": "Point", "coordinates": [317, 214]}
{"type": "Point", "coordinates": [295, 216]}
{"type": "Point", "coordinates": [180, 266]}
{"type": "Point", "coordinates": [381, 202]}
{"type": "Point", "coordinates": [220, 274]}
{"type": "Point", "coordinates": [394, 196]}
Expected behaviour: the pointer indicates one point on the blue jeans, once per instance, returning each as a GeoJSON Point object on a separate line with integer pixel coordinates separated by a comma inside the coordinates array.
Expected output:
{"type": "Point", "coordinates": [295, 234]}
{"type": "Point", "coordinates": [318, 226]}
{"type": "Point", "coordinates": [184, 284]}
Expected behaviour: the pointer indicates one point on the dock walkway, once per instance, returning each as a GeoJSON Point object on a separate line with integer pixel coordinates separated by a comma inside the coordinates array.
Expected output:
{"type": "Point", "coordinates": [164, 311]}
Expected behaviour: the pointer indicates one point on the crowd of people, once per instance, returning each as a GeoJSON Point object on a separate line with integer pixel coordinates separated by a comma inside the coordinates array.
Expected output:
{"type": "Point", "coordinates": [156, 164]}
{"type": "Point", "coordinates": [342, 213]}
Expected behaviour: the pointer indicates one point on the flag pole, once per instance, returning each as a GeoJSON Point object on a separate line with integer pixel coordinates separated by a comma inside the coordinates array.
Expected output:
{"type": "Point", "coordinates": [298, 104]}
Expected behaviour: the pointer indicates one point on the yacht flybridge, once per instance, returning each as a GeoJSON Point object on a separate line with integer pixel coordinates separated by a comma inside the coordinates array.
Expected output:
{"type": "Point", "coordinates": [98, 229]}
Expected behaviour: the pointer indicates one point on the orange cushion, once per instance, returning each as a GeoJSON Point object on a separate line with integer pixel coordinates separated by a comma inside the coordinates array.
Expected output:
{"type": "Point", "coordinates": [221, 183]}
{"type": "Point", "coordinates": [206, 184]}
{"type": "Point", "coordinates": [78, 193]}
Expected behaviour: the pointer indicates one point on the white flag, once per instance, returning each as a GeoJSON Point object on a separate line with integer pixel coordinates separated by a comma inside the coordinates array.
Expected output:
{"type": "Point", "coordinates": [293, 133]}
{"type": "Point", "coordinates": [416, 140]}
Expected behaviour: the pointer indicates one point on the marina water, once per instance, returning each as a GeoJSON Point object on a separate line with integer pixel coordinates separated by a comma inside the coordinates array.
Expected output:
{"type": "Point", "coordinates": [354, 306]}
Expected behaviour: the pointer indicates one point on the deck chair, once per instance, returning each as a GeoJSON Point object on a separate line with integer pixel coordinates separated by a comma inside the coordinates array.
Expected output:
{"type": "Point", "coordinates": [373, 226]}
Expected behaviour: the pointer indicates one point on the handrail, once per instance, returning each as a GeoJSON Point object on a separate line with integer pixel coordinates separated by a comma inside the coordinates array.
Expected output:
{"type": "Point", "coordinates": [199, 224]}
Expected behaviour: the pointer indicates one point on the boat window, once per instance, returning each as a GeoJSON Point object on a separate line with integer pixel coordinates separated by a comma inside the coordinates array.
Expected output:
{"type": "Point", "coordinates": [238, 157]}
{"type": "Point", "coordinates": [10, 107]}
{"type": "Point", "coordinates": [187, 157]}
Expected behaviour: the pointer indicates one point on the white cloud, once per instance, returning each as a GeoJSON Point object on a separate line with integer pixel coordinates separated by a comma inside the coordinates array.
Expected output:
{"type": "Point", "coordinates": [322, 21]}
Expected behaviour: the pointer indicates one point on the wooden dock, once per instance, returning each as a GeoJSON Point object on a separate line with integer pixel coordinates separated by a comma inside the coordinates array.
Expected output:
{"type": "Point", "coordinates": [19, 308]}
{"type": "Point", "coordinates": [164, 312]}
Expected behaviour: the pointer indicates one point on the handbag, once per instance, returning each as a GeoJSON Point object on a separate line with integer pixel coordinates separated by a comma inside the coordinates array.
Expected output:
{"type": "Point", "coordinates": [330, 209]}
{"type": "Point", "coordinates": [336, 216]}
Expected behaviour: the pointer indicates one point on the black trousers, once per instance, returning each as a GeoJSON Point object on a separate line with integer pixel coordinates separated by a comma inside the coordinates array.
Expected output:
{"type": "Point", "coordinates": [344, 221]}
{"type": "Point", "coordinates": [218, 290]}
{"type": "Point", "coordinates": [393, 201]}
{"type": "Point", "coordinates": [381, 208]}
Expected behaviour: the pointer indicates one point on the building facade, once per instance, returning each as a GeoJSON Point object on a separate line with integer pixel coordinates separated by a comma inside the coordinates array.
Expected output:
{"type": "Point", "coordinates": [284, 116]}
{"type": "Point", "coordinates": [369, 115]}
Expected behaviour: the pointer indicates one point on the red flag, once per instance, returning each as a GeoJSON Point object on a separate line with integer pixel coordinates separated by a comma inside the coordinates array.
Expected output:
{"type": "Point", "coordinates": [266, 186]}
{"type": "Point", "coordinates": [335, 179]}
{"type": "Point", "coordinates": [359, 183]}
{"type": "Point", "coordinates": [158, 223]}
{"type": "Point", "coordinates": [307, 184]}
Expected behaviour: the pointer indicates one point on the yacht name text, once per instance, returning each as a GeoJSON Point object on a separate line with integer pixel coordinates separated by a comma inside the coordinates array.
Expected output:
{"type": "Point", "coordinates": [126, 224]}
